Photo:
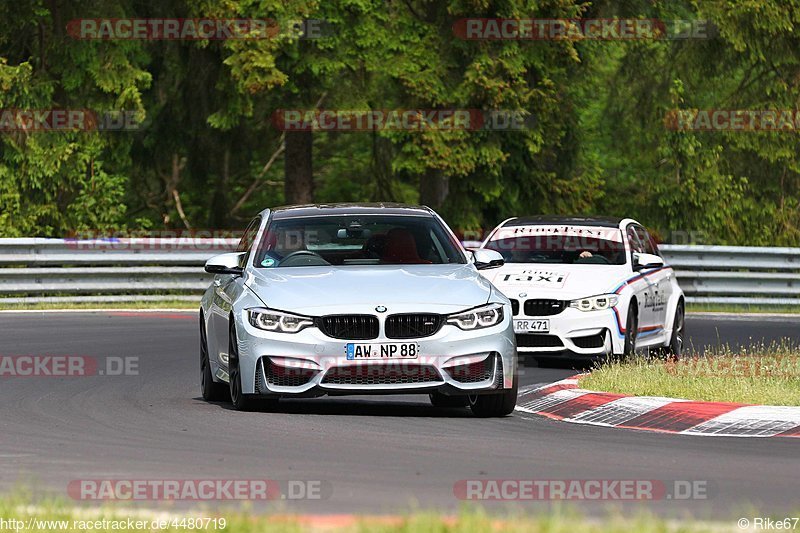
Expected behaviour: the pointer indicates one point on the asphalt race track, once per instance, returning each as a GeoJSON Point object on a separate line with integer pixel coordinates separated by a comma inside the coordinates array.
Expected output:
{"type": "Point", "coordinates": [373, 454]}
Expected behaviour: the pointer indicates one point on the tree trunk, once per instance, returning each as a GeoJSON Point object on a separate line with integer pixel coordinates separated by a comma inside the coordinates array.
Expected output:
{"type": "Point", "coordinates": [220, 215]}
{"type": "Point", "coordinates": [433, 188]}
{"type": "Point", "coordinates": [382, 168]}
{"type": "Point", "coordinates": [298, 174]}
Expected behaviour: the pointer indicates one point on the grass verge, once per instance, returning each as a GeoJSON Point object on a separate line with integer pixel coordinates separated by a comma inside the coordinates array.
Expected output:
{"type": "Point", "coordinates": [133, 304]}
{"type": "Point", "coordinates": [738, 308]}
{"type": "Point", "coordinates": [54, 516]}
{"type": "Point", "coordinates": [760, 374]}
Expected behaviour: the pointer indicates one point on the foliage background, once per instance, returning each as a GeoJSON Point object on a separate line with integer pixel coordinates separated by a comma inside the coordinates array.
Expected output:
{"type": "Point", "coordinates": [597, 144]}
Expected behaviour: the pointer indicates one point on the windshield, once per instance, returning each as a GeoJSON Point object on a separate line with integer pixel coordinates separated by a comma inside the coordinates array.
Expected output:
{"type": "Point", "coordinates": [579, 245]}
{"type": "Point", "coordinates": [356, 240]}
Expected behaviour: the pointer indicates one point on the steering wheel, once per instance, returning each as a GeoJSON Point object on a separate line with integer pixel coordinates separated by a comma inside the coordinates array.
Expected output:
{"type": "Point", "coordinates": [594, 259]}
{"type": "Point", "coordinates": [304, 258]}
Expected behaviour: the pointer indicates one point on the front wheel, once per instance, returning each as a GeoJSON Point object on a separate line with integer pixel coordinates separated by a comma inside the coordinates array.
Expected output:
{"type": "Point", "coordinates": [673, 350]}
{"type": "Point", "coordinates": [240, 401]}
{"type": "Point", "coordinates": [211, 390]}
{"type": "Point", "coordinates": [631, 331]}
{"type": "Point", "coordinates": [493, 405]}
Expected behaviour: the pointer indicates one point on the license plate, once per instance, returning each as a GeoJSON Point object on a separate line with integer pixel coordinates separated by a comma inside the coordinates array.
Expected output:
{"type": "Point", "coordinates": [530, 326]}
{"type": "Point", "coordinates": [394, 350]}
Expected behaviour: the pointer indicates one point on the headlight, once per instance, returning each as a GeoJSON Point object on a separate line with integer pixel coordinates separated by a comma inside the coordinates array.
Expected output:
{"type": "Point", "coordinates": [278, 321]}
{"type": "Point", "coordinates": [595, 303]}
{"type": "Point", "coordinates": [480, 317]}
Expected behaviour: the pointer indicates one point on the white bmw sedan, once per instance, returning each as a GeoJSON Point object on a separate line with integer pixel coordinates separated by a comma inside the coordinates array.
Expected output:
{"type": "Point", "coordinates": [587, 287]}
{"type": "Point", "coordinates": [356, 299]}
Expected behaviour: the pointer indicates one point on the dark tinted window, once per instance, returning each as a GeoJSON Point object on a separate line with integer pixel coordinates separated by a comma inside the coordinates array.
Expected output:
{"type": "Point", "coordinates": [357, 240]}
{"type": "Point", "coordinates": [647, 240]}
{"type": "Point", "coordinates": [559, 244]}
{"type": "Point", "coordinates": [633, 240]}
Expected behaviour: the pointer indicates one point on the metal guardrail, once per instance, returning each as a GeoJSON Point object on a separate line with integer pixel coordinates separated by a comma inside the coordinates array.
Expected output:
{"type": "Point", "coordinates": [106, 270]}
{"type": "Point", "coordinates": [59, 270]}
{"type": "Point", "coordinates": [737, 274]}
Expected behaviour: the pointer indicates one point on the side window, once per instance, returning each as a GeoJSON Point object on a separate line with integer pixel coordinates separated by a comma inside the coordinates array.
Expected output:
{"type": "Point", "coordinates": [633, 240]}
{"type": "Point", "coordinates": [246, 243]}
{"type": "Point", "coordinates": [647, 241]}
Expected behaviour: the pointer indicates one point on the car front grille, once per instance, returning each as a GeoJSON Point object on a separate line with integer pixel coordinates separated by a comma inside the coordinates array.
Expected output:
{"type": "Point", "coordinates": [589, 341]}
{"type": "Point", "coordinates": [385, 374]}
{"type": "Point", "coordinates": [281, 376]}
{"type": "Point", "coordinates": [473, 372]}
{"type": "Point", "coordinates": [515, 307]}
{"type": "Point", "coordinates": [545, 307]}
{"type": "Point", "coordinates": [412, 326]}
{"type": "Point", "coordinates": [538, 341]}
{"type": "Point", "coordinates": [355, 327]}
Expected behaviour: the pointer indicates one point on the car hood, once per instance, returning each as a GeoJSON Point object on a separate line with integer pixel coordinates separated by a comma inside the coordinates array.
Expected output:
{"type": "Point", "coordinates": [359, 289]}
{"type": "Point", "coordinates": [562, 282]}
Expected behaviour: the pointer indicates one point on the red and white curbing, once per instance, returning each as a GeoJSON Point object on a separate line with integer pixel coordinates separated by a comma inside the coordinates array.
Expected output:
{"type": "Point", "coordinates": [563, 400]}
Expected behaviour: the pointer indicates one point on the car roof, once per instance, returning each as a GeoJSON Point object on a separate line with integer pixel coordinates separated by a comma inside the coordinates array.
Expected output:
{"type": "Point", "coordinates": [604, 222]}
{"type": "Point", "coordinates": [382, 208]}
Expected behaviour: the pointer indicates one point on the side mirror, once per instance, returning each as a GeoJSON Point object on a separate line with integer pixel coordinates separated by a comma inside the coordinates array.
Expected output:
{"type": "Point", "coordinates": [225, 264]}
{"type": "Point", "coordinates": [642, 261]}
{"type": "Point", "coordinates": [485, 259]}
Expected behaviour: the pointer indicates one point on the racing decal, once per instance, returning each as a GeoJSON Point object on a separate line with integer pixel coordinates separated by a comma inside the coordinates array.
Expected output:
{"type": "Point", "coordinates": [539, 238]}
{"type": "Point", "coordinates": [654, 302]}
{"type": "Point", "coordinates": [649, 330]}
{"type": "Point", "coordinates": [578, 232]}
{"type": "Point", "coordinates": [637, 277]}
{"type": "Point", "coordinates": [642, 332]}
{"type": "Point", "coordinates": [530, 277]}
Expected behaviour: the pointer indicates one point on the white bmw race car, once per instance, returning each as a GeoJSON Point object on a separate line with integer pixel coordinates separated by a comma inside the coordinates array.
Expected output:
{"type": "Point", "coordinates": [587, 287]}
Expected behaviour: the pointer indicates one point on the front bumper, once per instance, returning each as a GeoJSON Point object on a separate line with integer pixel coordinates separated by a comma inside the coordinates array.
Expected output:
{"type": "Point", "coordinates": [309, 363]}
{"type": "Point", "coordinates": [573, 333]}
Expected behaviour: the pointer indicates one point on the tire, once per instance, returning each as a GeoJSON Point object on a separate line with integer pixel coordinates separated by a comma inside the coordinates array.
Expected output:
{"type": "Point", "coordinates": [495, 405]}
{"type": "Point", "coordinates": [240, 401]}
{"type": "Point", "coordinates": [211, 390]}
{"type": "Point", "coordinates": [673, 350]}
{"type": "Point", "coordinates": [442, 400]}
{"type": "Point", "coordinates": [631, 331]}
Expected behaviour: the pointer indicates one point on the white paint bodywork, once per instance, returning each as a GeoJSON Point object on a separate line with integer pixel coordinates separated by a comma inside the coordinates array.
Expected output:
{"type": "Point", "coordinates": [655, 291]}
